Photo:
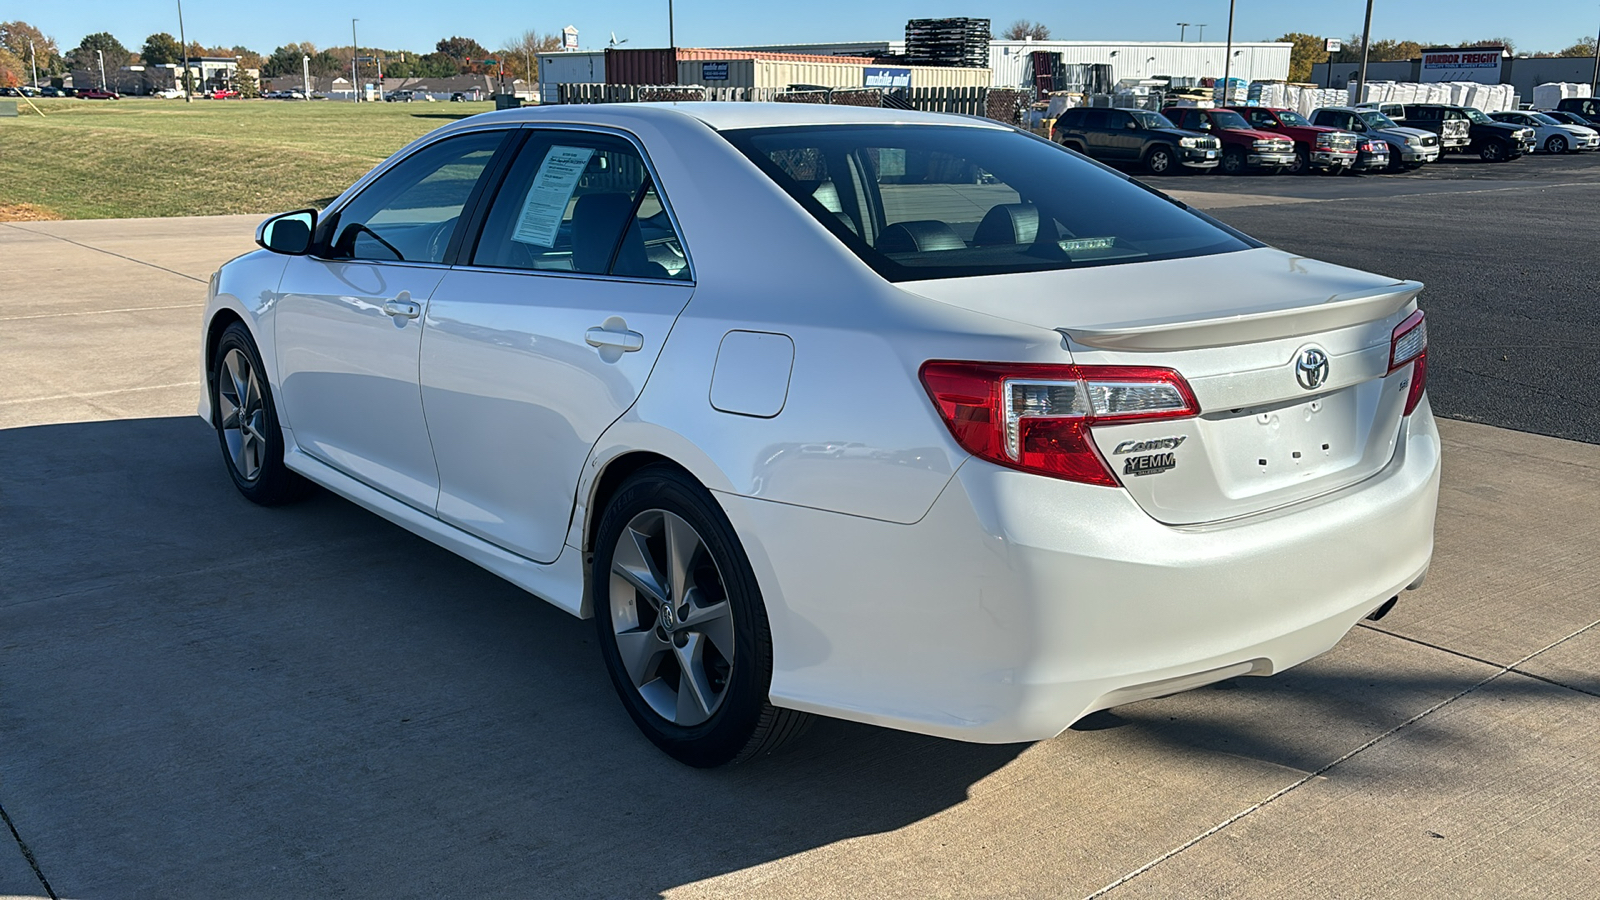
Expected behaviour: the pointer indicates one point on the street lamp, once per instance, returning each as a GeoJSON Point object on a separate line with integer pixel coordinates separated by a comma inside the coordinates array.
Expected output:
{"type": "Point", "coordinates": [102, 55]}
{"type": "Point", "coordinates": [1182, 27]}
{"type": "Point", "coordinates": [305, 74]}
{"type": "Point", "coordinates": [1366, 43]}
{"type": "Point", "coordinates": [355, 78]}
{"type": "Point", "coordinates": [188, 96]}
{"type": "Point", "coordinates": [34, 56]}
{"type": "Point", "coordinates": [1201, 37]}
{"type": "Point", "coordinates": [1227, 59]}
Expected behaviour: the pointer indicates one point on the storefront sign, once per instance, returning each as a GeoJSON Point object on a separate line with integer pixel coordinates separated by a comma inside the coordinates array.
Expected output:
{"type": "Point", "coordinates": [1480, 64]}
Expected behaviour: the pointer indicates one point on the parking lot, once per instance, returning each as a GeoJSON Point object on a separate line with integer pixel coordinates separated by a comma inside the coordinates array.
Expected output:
{"type": "Point", "coordinates": [201, 698]}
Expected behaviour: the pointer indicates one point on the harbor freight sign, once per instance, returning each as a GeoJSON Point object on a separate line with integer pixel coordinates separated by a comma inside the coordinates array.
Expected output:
{"type": "Point", "coordinates": [1480, 64]}
{"type": "Point", "coordinates": [886, 77]}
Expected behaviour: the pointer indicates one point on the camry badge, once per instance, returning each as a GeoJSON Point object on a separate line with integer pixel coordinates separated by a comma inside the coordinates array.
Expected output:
{"type": "Point", "coordinates": [1311, 368]}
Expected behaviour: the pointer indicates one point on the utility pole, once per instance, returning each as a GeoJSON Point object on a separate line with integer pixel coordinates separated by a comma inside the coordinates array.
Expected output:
{"type": "Point", "coordinates": [1182, 27]}
{"type": "Point", "coordinates": [1594, 83]}
{"type": "Point", "coordinates": [355, 77]}
{"type": "Point", "coordinates": [102, 55]}
{"type": "Point", "coordinates": [187, 95]}
{"type": "Point", "coordinates": [1366, 43]}
{"type": "Point", "coordinates": [1227, 60]}
{"type": "Point", "coordinates": [305, 74]}
{"type": "Point", "coordinates": [34, 56]}
{"type": "Point", "coordinates": [671, 39]}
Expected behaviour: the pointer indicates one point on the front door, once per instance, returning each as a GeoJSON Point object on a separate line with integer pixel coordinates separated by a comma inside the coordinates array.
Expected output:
{"type": "Point", "coordinates": [349, 319]}
{"type": "Point", "coordinates": [544, 336]}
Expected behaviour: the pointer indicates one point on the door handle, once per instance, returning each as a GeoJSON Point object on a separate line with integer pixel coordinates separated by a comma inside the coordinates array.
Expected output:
{"type": "Point", "coordinates": [626, 341]}
{"type": "Point", "coordinates": [402, 309]}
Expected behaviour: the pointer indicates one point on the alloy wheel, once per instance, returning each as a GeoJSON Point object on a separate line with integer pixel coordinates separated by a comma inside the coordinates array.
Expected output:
{"type": "Point", "coordinates": [671, 618]}
{"type": "Point", "coordinates": [243, 413]}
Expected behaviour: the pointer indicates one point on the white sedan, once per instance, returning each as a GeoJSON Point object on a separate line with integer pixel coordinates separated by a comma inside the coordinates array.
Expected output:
{"type": "Point", "coordinates": [1550, 135]}
{"type": "Point", "coordinates": [908, 419]}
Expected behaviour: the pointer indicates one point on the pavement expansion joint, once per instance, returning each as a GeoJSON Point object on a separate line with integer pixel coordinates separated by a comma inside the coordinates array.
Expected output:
{"type": "Point", "coordinates": [105, 251]}
{"type": "Point", "coordinates": [27, 854]}
{"type": "Point", "coordinates": [101, 312]}
{"type": "Point", "coordinates": [1369, 744]}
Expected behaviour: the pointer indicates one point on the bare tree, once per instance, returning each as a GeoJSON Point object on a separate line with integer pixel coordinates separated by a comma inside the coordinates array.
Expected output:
{"type": "Point", "coordinates": [1022, 30]}
{"type": "Point", "coordinates": [520, 51]}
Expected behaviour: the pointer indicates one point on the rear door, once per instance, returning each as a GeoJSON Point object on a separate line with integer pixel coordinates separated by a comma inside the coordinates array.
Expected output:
{"type": "Point", "coordinates": [546, 332]}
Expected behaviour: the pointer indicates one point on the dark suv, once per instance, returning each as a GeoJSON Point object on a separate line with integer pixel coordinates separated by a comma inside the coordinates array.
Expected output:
{"type": "Point", "coordinates": [1129, 136]}
{"type": "Point", "coordinates": [1492, 141]}
{"type": "Point", "coordinates": [1588, 108]}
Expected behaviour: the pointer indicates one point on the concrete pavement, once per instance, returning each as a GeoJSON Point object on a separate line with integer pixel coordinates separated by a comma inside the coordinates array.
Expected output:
{"type": "Point", "coordinates": [199, 697]}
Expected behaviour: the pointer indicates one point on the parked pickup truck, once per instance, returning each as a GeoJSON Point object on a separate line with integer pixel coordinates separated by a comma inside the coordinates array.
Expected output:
{"type": "Point", "coordinates": [1492, 141]}
{"type": "Point", "coordinates": [1129, 136]}
{"type": "Point", "coordinates": [1327, 150]}
{"type": "Point", "coordinates": [1243, 148]}
{"type": "Point", "coordinates": [1409, 148]}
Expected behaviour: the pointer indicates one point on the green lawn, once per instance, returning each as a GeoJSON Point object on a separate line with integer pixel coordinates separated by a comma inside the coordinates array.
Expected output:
{"type": "Point", "coordinates": [96, 159]}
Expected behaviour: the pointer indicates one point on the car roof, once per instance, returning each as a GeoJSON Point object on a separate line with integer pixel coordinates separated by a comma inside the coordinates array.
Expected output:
{"type": "Point", "coordinates": [728, 115]}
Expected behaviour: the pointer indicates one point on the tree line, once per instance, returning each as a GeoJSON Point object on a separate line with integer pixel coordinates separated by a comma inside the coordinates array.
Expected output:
{"type": "Point", "coordinates": [21, 44]}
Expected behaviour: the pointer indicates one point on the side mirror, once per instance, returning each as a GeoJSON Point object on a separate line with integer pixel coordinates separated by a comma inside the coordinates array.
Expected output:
{"type": "Point", "coordinates": [288, 233]}
{"type": "Point", "coordinates": [1358, 126]}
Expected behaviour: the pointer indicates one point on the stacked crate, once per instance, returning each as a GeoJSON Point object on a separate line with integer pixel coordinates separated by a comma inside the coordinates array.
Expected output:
{"type": "Point", "coordinates": [962, 43]}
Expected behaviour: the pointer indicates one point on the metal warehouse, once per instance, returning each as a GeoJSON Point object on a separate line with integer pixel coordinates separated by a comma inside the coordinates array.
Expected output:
{"type": "Point", "coordinates": [1010, 60]}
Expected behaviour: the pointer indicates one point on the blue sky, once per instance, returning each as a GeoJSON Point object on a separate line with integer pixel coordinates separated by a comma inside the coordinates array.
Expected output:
{"type": "Point", "coordinates": [417, 24]}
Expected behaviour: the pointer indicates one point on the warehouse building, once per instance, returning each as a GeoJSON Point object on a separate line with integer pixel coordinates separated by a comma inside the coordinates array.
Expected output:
{"type": "Point", "coordinates": [1522, 73]}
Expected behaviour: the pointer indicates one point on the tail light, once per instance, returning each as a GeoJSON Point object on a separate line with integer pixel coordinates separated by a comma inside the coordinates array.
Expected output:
{"type": "Point", "coordinates": [1037, 417]}
{"type": "Point", "coordinates": [1409, 345]}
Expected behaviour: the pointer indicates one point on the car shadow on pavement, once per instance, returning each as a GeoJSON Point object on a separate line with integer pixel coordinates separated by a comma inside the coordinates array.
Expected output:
{"type": "Point", "coordinates": [207, 698]}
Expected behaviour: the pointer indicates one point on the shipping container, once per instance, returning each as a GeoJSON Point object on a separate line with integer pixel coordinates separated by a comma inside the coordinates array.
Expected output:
{"type": "Point", "coordinates": [643, 65]}
{"type": "Point", "coordinates": [571, 67]}
{"type": "Point", "coordinates": [769, 73]}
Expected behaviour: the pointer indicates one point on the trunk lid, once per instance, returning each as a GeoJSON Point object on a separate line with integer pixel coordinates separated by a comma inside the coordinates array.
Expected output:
{"type": "Point", "coordinates": [1238, 327]}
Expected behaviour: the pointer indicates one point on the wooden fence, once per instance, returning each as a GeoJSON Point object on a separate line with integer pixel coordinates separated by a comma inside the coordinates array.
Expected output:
{"type": "Point", "coordinates": [995, 103]}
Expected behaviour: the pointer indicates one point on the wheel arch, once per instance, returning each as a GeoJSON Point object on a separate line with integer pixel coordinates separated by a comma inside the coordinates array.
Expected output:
{"type": "Point", "coordinates": [220, 320]}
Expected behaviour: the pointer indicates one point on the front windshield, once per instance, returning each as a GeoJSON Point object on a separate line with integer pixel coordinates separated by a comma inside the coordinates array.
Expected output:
{"type": "Point", "coordinates": [919, 202]}
{"type": "Point", "coordinates": [1477, 116]}
{"type": "Point", "coordinates": [1375, 119]}
{"type": "Point", "coordinates": [1543, 119]}
{"type": "Point", "coordinates": [1229, 121]}
{"type": "Point", "coordinates": [1150, 119]}
{"type": "Point", "coordinates": [1290, 117]}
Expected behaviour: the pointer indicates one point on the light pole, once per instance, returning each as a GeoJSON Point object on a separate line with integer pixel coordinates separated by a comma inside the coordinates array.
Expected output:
{"type": "Point", "coordinates": [1182, 27]}
{"type": "Point", "coordinates": [188, 97]}
{"type": "Point", "coordinates": [1201, 37]}
{"type": "Point", "coordinates": [34, 56]}
{"type": "Point", "coordinates": [1227, 59]}
{"type": "Point", "coordinates": [672, 40]}
{"type": "Point", "coordinates": [355, 78]}
{"type": "Point", "coordinates": [1366, 43]}
{"type": "Point", "coordinates": [102, 55]}
{"type": "Point", "coordinates": [305, 74]}
{"type": "Point", "coordinates": [1594, 83]}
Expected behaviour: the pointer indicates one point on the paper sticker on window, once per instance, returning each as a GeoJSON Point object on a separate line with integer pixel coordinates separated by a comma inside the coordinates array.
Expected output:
{"type": "Point", "coordinates": [551, 192]}
{"type": "Point", "coordinates": [1083, 244]}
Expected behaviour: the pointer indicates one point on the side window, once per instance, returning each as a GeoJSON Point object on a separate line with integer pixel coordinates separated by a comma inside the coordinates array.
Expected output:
{"type": "Point", "coordinates": [1071, 118]}
{"type": "Point", "coordinates": [1262, 118]}
{"type": "Point", "coordinates": [580, 202]}
{"type": "Point", "coordinates": [1095, 118]}
{"type": "Point", "coordinates": [409, 213]}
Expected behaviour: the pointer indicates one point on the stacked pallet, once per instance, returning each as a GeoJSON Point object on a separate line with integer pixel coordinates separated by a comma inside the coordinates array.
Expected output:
{"type": "Point", "coordinates": [961, 43]}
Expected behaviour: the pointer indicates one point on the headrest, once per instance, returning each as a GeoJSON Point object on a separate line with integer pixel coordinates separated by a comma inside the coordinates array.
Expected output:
{"type": "Point", "coordinates": [920, 236]}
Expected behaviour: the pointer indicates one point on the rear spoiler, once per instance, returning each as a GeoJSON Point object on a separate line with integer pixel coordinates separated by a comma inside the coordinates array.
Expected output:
{"type": "Point", "coordinates": [1338, 311]}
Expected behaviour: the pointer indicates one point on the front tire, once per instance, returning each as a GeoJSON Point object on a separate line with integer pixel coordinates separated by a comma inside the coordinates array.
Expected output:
{"type": "Point", "coordinates": [246, 420]}
{"type": "Point", "coordinates": [1556, 144]}
{"type": "Point", "coordinates": [1159, 161]}
{"type": "Point", "coordinates": [1234, 161]}
{"type": "Point", "coordinates": [1492, 152]}
{"type": "Point", "coordinates": [1302, 161]}
{"type": "Point", "coordinates": [682, 626]}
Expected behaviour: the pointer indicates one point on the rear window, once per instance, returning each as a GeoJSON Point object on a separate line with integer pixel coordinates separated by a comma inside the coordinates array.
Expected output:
{"type": "Point", "coordinates": [919, 202]}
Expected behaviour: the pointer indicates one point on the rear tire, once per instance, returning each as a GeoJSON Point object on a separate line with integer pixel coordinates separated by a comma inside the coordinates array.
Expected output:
{"type": "Point", "coordinates": [682, 626]}
{"type": "Point", "coordinates": [246, 421]}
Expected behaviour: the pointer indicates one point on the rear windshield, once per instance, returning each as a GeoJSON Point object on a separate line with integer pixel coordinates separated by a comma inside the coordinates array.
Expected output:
{"type": "Point", "coordinates": [919, 202]}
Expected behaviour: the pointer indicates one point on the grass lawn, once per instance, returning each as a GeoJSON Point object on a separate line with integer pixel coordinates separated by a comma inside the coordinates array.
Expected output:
{"type": "Point", "coordinates": [96, 159]}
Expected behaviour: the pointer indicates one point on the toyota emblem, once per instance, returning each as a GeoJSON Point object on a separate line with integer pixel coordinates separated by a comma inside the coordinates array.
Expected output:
{"type": "Point", "coordinates": [1311, 368]}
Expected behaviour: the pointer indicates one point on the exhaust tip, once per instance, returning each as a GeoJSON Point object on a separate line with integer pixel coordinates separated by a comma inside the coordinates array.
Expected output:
{"type": "Point", "coordinates": [1383, 610]}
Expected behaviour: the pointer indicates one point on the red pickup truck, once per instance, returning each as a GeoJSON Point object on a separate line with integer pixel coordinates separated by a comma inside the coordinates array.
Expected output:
{"type": "Point", "coordinates": [1243, 148]}
{"type": "Point", "coordinates": [1327, 150]}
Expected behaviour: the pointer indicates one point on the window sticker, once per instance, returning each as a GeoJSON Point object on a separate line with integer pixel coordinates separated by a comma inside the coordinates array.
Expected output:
{"type": "Point", "coordinates": [551, 192]}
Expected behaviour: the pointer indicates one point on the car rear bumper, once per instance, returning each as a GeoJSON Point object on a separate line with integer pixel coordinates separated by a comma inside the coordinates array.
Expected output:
{"type": "Point", "coordinates": [1021, 603]}
{"type": "Point", "coordinates": [1370, 161]}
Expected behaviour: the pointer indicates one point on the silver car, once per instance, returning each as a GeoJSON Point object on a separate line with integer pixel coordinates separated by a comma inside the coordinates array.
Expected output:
{"type": "Point", "coordinates": [915, 420]}
{"type": "Point", "coordinates": [1409, 148]}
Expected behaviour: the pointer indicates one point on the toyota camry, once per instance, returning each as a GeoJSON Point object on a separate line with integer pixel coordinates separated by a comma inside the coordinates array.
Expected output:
{"type": "Point", "coordinates": [908, 419]}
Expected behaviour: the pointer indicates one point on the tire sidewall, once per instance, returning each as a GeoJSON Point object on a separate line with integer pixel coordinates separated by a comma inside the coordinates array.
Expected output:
{"type": "Point", "coordinates": [274, 483]}
{"type": "Point", "coordinates": [721, 738]}
{"type": "Point", "coordinates": [1157, 153]}
{"type": "Point", "coordinates": [1554, 142]}
{"type": "Point", "coordinates": [1236, 157]}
